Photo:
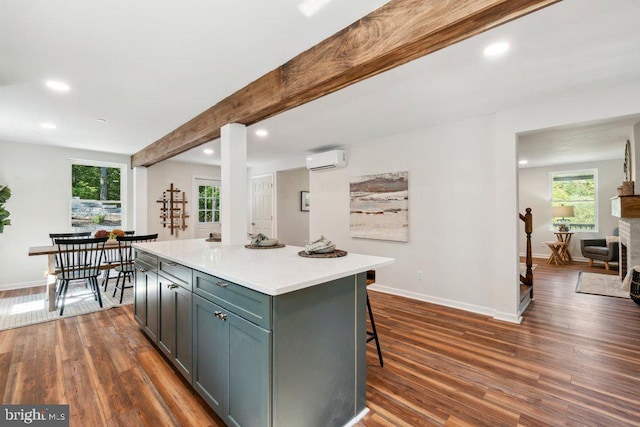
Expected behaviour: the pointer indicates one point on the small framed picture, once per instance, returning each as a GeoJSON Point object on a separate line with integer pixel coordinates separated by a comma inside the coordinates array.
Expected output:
{"type": "Point", "coordinates": [304, 200]}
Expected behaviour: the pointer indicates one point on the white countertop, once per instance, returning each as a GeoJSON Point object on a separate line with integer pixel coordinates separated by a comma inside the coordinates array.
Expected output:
{"type": "Point", "coordinates": [270, 271]}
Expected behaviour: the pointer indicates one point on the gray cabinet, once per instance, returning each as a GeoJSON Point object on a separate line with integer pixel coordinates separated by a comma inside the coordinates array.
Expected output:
{"type": "Point", "coordinates": [146, 294]}
{"type": "Point", "coordinates": [232, 364]}
{"type": "Point", "coordinates": [175, 331]}
{"type": "Point", "coordinates": [298, 358]}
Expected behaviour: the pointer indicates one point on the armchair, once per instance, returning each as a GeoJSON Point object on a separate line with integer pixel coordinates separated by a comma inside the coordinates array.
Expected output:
{"type": "Point", "coordinates": [601, 249]}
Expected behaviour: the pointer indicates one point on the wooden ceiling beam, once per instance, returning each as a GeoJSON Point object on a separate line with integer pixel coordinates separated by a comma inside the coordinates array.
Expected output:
{"type": "Point", "coordinates": [394, 34]}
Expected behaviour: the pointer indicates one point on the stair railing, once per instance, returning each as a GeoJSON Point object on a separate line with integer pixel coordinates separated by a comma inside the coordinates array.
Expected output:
{"type": "Point", "coordinates": [527, 279]}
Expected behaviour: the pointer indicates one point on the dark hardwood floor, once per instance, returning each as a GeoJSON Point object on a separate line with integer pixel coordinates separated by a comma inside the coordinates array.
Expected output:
{"type": "Point", "coordinates": [574, 360]}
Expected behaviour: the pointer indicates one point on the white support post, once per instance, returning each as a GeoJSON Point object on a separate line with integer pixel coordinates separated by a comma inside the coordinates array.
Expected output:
{"type": "Point", "coordinates": [140, 202]}
{"type": "Point", "coordinates": [233, 188]}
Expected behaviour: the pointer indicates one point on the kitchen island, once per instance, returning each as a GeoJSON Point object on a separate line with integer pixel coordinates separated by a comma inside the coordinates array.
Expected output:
{"type": "Point", "coordinates": [266, 337]}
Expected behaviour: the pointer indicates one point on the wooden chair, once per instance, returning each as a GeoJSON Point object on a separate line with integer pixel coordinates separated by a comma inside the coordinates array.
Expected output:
{"type": "Point", "coordinates": [126, 255]}
{"type": "Point", "coordinates": [73, 235]}
{"type": "Point", "coordinates": [111, 257]}
{"type": "Point", "coordinates": [79, 260]}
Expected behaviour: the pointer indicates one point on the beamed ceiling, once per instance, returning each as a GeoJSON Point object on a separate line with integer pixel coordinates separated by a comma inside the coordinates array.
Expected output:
{"type": "Point", "coordinates": [394, 34]}
{"type": "Point", "coordinates": [149, 67]}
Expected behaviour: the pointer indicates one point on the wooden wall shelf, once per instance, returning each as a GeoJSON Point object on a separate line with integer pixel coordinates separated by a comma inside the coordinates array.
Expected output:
{"type": "Point", "coordinates": [173, 211]}
{"type": "Point", "coordinates": [625, 206]}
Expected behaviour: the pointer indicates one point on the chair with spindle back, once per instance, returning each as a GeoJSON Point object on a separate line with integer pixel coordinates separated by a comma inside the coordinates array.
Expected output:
{"type": "Point", "coordinates": [111, 257]}
{"type": "Point", "coordinates": [73, 235]}
{"type": "Point", "coordinates": [126, 256]}
{"type": "Point", "coordinates": [79, 259]}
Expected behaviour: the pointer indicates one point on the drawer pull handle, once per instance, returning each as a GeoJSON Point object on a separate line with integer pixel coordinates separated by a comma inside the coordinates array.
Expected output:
{"type": "Point", "coordinates": [220, 315]}
{"type": "Point", "coordinates": [142, 270]}
{"type": "Point", "coordinates": [221, 284]}
{"type": "Point", "coordinates": [172, 264]}
{"type": "Point", "coordinates": [172, 286]}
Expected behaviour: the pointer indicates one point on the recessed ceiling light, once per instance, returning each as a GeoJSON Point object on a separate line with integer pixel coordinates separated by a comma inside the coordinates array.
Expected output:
{"type": "Point", "coordinates": [262, 132]}
{"type": "Point", "coordinates": [47, 125]}
{"type": "Point", "coordinates": [101, 120]}
{"type": "Point", "coordinates": [310, 7]}
{"type": "Point", "coordinates": [58, 86]}
{"type": "Point", "coordinates": [208, 151]}
{"type": "Point", "coordinates": [496, 49]}
{"type": "Point", "coordinates": [523, 162]}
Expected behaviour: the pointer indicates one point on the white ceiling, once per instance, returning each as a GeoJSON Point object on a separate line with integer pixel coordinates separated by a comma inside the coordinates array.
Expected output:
{"type": "Point", "coordinates": [149, 66]}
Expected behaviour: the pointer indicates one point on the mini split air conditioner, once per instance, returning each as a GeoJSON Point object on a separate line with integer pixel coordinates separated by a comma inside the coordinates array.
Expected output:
{"type": "Point", "coordinates": [327, 160]}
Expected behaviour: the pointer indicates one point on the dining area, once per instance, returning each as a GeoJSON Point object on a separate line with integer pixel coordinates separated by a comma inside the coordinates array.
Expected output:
{"type": "Point", "coordinates": [90, 260]}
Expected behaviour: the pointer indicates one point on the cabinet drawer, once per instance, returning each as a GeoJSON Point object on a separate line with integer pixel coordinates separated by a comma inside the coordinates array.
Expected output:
{"type": "Point", "coordinates": [246, 303]}
{"type": "Point", "coordinates": [144, 266]}
{"type": "Point", "coordinates": [147, 258]}
{"type": "Point", "coordinates": [178, 273]}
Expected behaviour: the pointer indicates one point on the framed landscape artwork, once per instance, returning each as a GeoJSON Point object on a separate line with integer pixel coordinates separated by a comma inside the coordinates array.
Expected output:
{"type": "Point", "coordinates": [304, 201]}
{"type": "Point", "coordinates": [379, 206]}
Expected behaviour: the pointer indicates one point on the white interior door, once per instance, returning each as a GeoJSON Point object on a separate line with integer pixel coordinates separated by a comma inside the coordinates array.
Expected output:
{"type": "Point", "coordinates": [262, 205]}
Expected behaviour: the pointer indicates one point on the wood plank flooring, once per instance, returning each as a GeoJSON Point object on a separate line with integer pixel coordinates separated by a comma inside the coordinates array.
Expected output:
{"type": "Point", "coordinates": [574, 360]}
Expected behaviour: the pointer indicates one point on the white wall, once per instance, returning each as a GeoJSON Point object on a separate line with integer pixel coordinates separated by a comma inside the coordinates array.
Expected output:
{"type": "Point", "coordinates": [463, 201]}
{"type": "Point", "coordinates": [451, 205]}
{"type": "Point", "coordinates": [159, 177]}
{"type": "Point", "coordinates": [534, 193]}
{"type": "Point", "coordinates": [40, 180]}
{"type": "Point", "coordinates": [293, 224]}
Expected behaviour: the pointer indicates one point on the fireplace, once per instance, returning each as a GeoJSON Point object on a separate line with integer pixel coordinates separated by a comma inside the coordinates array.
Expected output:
{"type": "Point", "coordinates": [629, 244]}
{"type": "Point", "coordinates": [623, 261]}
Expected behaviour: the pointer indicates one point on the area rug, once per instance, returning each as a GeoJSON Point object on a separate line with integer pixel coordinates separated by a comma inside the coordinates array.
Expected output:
{"type": "Point", "coordinates": [601, 284]}
{"type": "Point", "coordinates": [31, 309]}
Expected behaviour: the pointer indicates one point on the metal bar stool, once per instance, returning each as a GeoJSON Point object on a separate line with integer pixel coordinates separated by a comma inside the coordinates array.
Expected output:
{"type": "Point", "coordinates": [373, 334]}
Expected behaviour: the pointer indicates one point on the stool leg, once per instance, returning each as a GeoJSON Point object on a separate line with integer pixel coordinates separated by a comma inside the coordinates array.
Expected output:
{"type": "Point", "coordinates": [374, 335]}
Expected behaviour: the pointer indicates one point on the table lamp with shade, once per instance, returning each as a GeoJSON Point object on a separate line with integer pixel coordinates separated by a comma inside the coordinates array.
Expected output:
{"type": "Point", "coordinates": [563, 212]}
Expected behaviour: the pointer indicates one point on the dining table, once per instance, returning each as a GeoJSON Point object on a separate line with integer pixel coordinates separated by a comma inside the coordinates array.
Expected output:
{"type": "Point", "coordinates": [51, 251]}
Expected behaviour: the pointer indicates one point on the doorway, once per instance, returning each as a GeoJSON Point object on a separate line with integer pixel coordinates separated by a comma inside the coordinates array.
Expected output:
{"type": "Point", "coordinates": [262, 205]}
{"type": "Point", "coordinates": [206, 206]}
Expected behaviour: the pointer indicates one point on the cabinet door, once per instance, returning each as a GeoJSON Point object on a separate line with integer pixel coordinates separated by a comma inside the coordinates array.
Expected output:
{"type": "Point", "coordinates": [167, 330]}
{"type": "Point", "coordinates": [183, 350]}
{"type": "Point", "coordinates": [249, 373]}
{"type": "Point", "coordinates": [140, 293]}
{"type": "Point", "coordinates": [152, 297]}
{"type": "Point", "coordinates": [210, 354]}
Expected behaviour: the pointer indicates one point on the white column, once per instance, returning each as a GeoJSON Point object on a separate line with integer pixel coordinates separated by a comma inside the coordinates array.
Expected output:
{"type": "Point", "coordinates": [140, 202]}
{"type": "Point", "coordinates": [233, 187]}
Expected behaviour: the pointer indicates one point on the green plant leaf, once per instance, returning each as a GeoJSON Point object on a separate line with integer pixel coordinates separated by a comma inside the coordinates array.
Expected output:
{"type": "Point", "coordinates": [5, 193]}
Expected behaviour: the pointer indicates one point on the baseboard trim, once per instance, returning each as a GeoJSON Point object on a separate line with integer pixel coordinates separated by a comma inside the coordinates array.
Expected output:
{"type": "Point", "coordinates": [357, 418]}
{"type": "Point", "coordinates": [546, 256]}
{"type": "Point", "coordinates": [507, 317]}
{"type": "Point", "coordinates": [12, 286]}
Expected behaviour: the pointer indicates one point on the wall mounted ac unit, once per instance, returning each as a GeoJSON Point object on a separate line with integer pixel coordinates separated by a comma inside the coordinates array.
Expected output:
{"type": "Point", "coordinates": [327, 160]}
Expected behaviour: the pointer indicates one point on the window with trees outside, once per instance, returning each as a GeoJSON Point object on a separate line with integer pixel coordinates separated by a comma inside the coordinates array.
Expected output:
{"type": "Point", "coordinates": [577, 189]}
{"type": "Point", "coordinates": [208, 203]}
{"type": "Point", "coordinates": [97, 196]}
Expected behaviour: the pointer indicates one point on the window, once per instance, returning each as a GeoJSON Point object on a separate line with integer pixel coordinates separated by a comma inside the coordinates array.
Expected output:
{"type": "Point", "coordinates": [208, 203]}
{"type": "Point", "coordinates": [577, 189]}
{"type": "Point", "coordinates": [97, 196]}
